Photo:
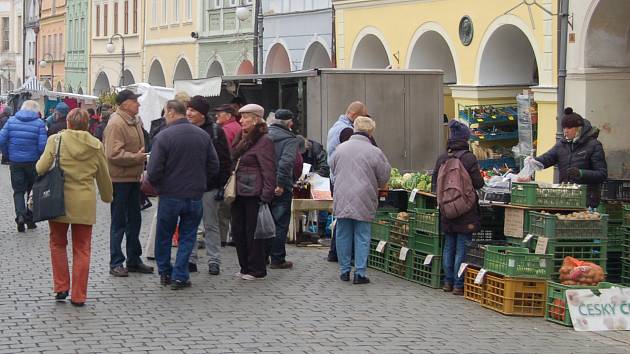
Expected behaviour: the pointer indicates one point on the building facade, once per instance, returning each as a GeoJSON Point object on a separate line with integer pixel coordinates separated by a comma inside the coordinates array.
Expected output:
{"type": "Point", "coordinates": [297, 35]}
{"type": "Point", "coordinates": [77, 46]}
{"type": "Point", "coordinates": [171, 52]}
{"type": "Point", "coordinates": [119, 22]}
{"type": "Point", "coordinates": [10, 45]}
{"type": "Point", "coordinates": [226, 42]}
{"type": "Point", "coordinates": [51, 53]}
{"type": "Point", "coordinates": [29, 33]}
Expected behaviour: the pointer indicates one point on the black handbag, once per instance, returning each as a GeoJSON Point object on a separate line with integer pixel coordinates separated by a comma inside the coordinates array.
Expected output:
{"type": "Point", "coordinates": [48, 195]}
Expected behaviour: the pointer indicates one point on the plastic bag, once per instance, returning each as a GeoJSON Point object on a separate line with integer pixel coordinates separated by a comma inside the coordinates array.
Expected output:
{"type": "Point", "coordinates": [530, 166]}
{"type": "Point", "coordinates": [577, 272]}
{"type": "Point", "coordinates": [265, 226]}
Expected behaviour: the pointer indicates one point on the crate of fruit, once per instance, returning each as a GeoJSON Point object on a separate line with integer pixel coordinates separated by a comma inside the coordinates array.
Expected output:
{"type": "Point", "coordinates": [400, 228]}
{"type": "Point", "coordinates": [616, 189]}
{"type": "Point", "coordinates": [426, 274]}
{"type": "Point", "coordinates": [395, 265]}
{"type": "Point", "coordinates": [594, 251]}
{"type": "Point", "coordinates": [427, 220]}
{"type": "Point", "coordinates": [556, 309]}
{"type": "Point", "coordinates": [380, 230]}
{"type": "Point", "coordinates": [517, 262]}
{"type": "Point", "coordinates": [472, 291]}
{"type": "Point", "coordinates": [577, 225]}
{"type": "Point", "coordinates": [562, 196]}
{"type": "Point", "coordinates": [426, 242]}
{"type": "Point", "coordinates": [476, 251]}
{"type": "Point", "coordinates": [376, 259]}
{"type": "Point", "coordinates": [514, 296]}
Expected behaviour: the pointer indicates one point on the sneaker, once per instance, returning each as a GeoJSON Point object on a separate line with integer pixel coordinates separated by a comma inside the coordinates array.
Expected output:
{"type": "Point", "coordinates": [251, 277]}
{"type": "Point", "coordinates": [214, 269]}
{"type": "Point", "coordinates": [31, 225]}
{"type": "Point", "coordinates": [140, 268]}
{"type": "Point", "coordinates": [447, 287]}
{"type": "Point", "coordinates": [283, 265]}
{"type": "Point", "coordinates": [458, 291]}
{"type": "Point", "coordinates": [20, 223]}
{"type": "Point", "coordinates": [119, 271]}
{"type": "Point", "coordinates": [358, 279]}
{"type": "Point", "coordinates": [180, 284]}
{"type": "Point", "coordinates": [345, 276]}
{"type": "Point", "coordinates": [165, 279]}
{"type": "Point", "coordinates": [62, 295]}
{"type": "Point", "coordinates": [192, 267]}
{"type": "Point", "coordinates": [238, 274]}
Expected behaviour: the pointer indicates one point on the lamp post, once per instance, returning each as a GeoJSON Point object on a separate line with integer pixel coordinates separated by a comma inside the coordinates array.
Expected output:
{"type": "Point", "coordinates": [43, 63]}
{"type": "Point", "coordinates": [110, 49]}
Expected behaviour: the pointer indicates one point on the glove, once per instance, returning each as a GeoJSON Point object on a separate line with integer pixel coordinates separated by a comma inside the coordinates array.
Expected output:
{"type": "Point", "coordinates": [219, 196]}
{"type": "Point", "coordinates": [574, 173]}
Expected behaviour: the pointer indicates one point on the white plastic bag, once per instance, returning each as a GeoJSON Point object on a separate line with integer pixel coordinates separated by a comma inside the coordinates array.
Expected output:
{"type": "Point", "coordinates": [530, 166]}
{"type": "Point", "coordinates": [265, 226]}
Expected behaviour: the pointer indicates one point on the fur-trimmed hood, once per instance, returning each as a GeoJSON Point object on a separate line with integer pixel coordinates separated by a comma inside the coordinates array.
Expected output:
{"type": "Point", "coordinates": [244, 142]}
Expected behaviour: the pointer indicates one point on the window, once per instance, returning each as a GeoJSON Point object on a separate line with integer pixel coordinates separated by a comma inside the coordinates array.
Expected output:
{"type": "Point", "coordinates": [83, 34]}
{"type": "Point", "coordinates": [176, 11]}
{"type": "Point", "coordinates": [53, 7]}
{"type": "Point", "coordinates": [98, 20]}
{"type": "Point", "coordinates": [70, 29]}
{"type": "Point", "coordinates": [135, 16]}
{"type": "Point", "coordinates": [154, 13]}
{"type": "Point", "coordinates": [126, 17]}
{"type": "Point", "coordinates": [248, 2]}
{"type": "Point", "coordinates": [44, 44]}
{"type": "Point", "coordinates": [164, 12]}
{"type": "Point", "coordinates": [5, 33]}
{"type": "Point", "coordinates": [105, 20]}
{"type": "Point", "coordinates": [62, 53]}
{"type": "Point", "coordinates": [115, 17]}
{"type": "Point", "coordinates": [188, 10]}
{"type": "Point", "coordinates": [218, 4]}
{"type": "Point", "coordinates": [19, 44]}
{"type": "Point", "coordinates": [233, 2]}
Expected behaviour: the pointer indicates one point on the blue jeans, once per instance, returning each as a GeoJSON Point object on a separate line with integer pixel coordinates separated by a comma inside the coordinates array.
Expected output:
{"type": "Point", "coordinates": [22, 179]}
{"type": "Point", "coordinates": [281, 211]}
{"type": "Point", "coordinates": [359, 232]}
{"type": "Point", "coordinates": [126, 220]}
{"type": "Point", "coordinates": [171, 210]}
{"type": "Point", "coordinates": [454, 253]}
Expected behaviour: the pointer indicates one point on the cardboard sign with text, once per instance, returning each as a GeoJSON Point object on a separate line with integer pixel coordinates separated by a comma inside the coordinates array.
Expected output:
{"type": "Point", "coordinates": [514, 220]}
{"type": "Point", "coordinates": [602, 310]}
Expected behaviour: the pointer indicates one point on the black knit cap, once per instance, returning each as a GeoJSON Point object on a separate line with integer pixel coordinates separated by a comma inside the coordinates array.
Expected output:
{"type": "Point", "coordinates": [571, 119]}
{"type": "Point", "coordinates": [199, 104]}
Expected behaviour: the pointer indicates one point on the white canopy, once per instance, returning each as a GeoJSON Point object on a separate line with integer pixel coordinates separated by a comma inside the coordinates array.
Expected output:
{"type": "Point", "coordinates": [31, 85]}
{"type": "Point", "coordinates": [210, 87]}
{"type": "Point", "coordinates": [71, 95]}
{"type": "Point", "coordinates": [152, 101]}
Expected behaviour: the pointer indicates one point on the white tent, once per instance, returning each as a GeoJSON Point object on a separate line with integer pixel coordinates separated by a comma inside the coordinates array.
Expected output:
{"type": "Point", "coordinates": [152, 101]}
{"type": "Point", "coordinates": [31, 85]}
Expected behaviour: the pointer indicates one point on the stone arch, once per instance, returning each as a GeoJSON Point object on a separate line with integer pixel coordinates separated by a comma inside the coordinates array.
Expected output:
{"type": "Point", "coordinates": [215, 69]}
{"type": "Point", "coordinates": [606, 36]}
{"type": "Point", "coordinates": [70, 89]}
{"type": "Point", "coordinates": [101, 85]}
{"type": "Point", "coordinates": [278, 60]}
{"type": "Point", "coordinates": [508, 54]}
{"type": "Point", "coordinates": [316, 56]}
{"type": "Point", "coordinates": [431, 48]}
{"type": "Point", "coordinates": [182, 70]}
{"type": "Point", "coordinates": [128, 78]}
{"type": "Point", "coordinates": [370, 51]}
{"type": "Point", "coordinates": [156, 74]}
{"type": "Point", "coordinates": [80, 90]}
{"type": "Point", "coordinates": [47, 85]}
{"type": "Point", "coordinates": [246, 67]}
{"type": "Point", "coordinates": [59, 88]}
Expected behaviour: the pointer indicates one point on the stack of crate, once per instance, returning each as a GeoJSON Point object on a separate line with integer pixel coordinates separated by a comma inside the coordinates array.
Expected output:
{"type": "Point", "coordinates": [616, 236]}
{"type": "Point", "coordinates": [625, 256]}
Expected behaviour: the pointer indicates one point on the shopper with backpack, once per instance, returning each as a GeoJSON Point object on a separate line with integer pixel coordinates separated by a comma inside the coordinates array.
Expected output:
{"type": "Point", "coordinates": [456, 177]}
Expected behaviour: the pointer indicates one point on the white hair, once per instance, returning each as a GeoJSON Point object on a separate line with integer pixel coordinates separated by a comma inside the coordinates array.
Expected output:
{"type": "Point", "coordinates": [30, 105]}
{"type": "Point", "coordinates": [364, 124]}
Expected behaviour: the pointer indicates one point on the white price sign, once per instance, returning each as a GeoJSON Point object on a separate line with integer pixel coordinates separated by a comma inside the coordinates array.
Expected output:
{"type": "Point", "coordinates": [381, 246]}
{"type": "Point", "coordinates": [403, 253]}
{"type": "Point", "coordinates": [480, 276]}
{"type": "Point", "coordinates": [462, 269]}
{"type": "Point", "coordinates": [412, 196]}
{"type": "Point", "coordinates": [428, 260]}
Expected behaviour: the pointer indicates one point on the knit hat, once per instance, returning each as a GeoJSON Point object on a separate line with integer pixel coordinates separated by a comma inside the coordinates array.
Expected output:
{"type": "Point", "coordinates": [62, 109]}
{"type": "Point", "coordinates": [283, 114]}
{"type": "Point", "coordinates": [199, 104]}
{"type": "Point", "coordinates": [458, 131]}
{"type": "Point", "coordinates": [571, 119]}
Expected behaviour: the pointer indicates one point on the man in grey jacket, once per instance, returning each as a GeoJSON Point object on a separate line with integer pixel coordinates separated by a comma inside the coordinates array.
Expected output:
{"type": "Point", "coordinates": [286, 148]}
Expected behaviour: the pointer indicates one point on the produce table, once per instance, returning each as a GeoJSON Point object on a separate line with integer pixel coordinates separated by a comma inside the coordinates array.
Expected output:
{"type": "Point", "coordinates": [304, 205]}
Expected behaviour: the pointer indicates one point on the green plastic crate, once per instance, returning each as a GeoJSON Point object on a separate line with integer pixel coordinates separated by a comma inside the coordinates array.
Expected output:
{"type": "Point", "coordinates": [530, 194]}
{"type": "Point", "coordinates": [377, 260]}
{"type": "Point", "coordinates": [616, 236]}
{"type": "Point", "coordinates": [614, 266]}
{"type": "Point", "coordinates": [383, 214]}
{"type": "Point", "coordinates": [614, 210]}
{"type": "Point", "coordinates": [394, 265]}
{"type": "Point", "coordinates": [426, 242]}
{"type": "Point", "coordinates": [427, 220]}
{"type": "Point", "coordinates": [548, 225]}
{"type": "Point", "coordinates": [428, 275]}
{"type": "Point", "coordinates": [380, 230]}
{"type": "Point", "coordinates": [400, 230]}
{"type": "Point", "coordinates": [557, 310]}
{"type": "Point", "coordinates": [594, 251]}
{"type": "Point", "coordinates": [517, 262]}
{"type": "Point", "coordinates": [626, 215]}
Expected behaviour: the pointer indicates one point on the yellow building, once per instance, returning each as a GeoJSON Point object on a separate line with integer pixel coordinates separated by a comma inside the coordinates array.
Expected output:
{"type": "Point", "coordinates": [170, 51]}
{"type": "Point", "coordinates": [51, 53]}
{"type": "Point", "coordinates": [489, 50]}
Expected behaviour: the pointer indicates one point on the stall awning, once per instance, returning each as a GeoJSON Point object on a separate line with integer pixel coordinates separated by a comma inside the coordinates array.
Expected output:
{"type": "Point", "coordinates": [210, 87]}
{"type": "Point", "coordinates": [70, 95]}
{"type": "Point", "coordinates": [31, 85]}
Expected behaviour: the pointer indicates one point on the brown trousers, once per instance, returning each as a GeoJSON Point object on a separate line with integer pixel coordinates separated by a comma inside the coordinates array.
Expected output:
{"type": "Point", "coordinates": [81, 251]}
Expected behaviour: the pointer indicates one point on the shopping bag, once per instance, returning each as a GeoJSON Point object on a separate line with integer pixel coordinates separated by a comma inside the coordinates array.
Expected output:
{"type": "Point", "coordinates": [48, 194]}
{"type": "Point", "coordinates": [229, 192]}
{"type": "Point", "coordinates": [265, 226]}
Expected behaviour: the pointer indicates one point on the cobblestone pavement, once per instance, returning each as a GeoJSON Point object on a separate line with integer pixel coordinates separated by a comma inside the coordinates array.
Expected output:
{"type": "Point", "coordinates": [306, 309]}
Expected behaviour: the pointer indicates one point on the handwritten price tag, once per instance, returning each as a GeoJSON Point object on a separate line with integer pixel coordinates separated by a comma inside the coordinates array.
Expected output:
{"type": "Point", "coordinates": [403, 253]}
{"type": "Point", "coordinates": [541, 246]}
{"type": "Point", "coordinates": [381, 246]}
{"type": "Point", "coordinates": [480, 276]}
{"type": "Point", "coordinates": [412, 196]}
{"type": "Point", "coordinates": [462, 269]}
{"type": "Point", "coordinates": [428, 260]}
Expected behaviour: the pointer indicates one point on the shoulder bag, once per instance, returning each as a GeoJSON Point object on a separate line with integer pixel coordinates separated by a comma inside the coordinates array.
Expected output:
{"type": "Point", "coordinates": [229, 192]}
{"type": "Point", "coordinates": [48, 194]}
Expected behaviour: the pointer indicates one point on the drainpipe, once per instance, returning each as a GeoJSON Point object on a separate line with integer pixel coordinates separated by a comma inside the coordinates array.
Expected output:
{"type": "Point", "coordinates": [258, 37]}
{"type": "Point", "coordinates": [23, 41]}
{"type": "Point", "coordinates": [333, 42]}
{"type": "Point", "coordinates": [563, 31]}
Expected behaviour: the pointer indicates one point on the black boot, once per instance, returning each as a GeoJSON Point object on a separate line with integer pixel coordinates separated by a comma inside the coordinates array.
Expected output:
{"type": "Point", "coordinates": [20, 223]}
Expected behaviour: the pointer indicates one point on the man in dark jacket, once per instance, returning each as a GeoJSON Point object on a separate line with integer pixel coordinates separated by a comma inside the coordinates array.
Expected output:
{"type": "Point", "coordinates": [59, 122]}
{"type": "Point", "coordinates": [197, 114]}
{"type": "Point", "coordinates": [22, 140]}
{"type": "Point", "coordinates": [458, 231]}
{"type": "Point", "coordinates": [286, 148]}
{"type": "Point", "coordinates": [182, 159]}
{"type": "Point", "coordinates": [580, 156]}
{"type": "Point", "coordinates": [316, 156]}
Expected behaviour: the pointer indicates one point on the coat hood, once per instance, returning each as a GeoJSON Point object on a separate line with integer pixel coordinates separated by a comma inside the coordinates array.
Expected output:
{"type": "Point", "coordinates": [80, 144]}
{"type": "Point", "coordinates": [588, 132]}
{"type": "Point", "coordinates": [457, 145]}
{"type": "Point", "coordinates": [26, 116]}
{"type": "Point", "coordinates": [278, 132]}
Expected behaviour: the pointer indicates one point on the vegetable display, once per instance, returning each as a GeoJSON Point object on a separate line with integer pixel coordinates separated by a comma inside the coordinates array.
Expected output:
{"type": "Point", "coordinates": [576, 272]}
{"type": "Point", "coordinates": [410, 180]}
{"type": "Point", "coordinates": [582, 215]}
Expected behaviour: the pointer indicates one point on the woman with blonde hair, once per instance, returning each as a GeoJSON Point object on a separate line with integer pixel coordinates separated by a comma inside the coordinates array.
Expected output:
{"type": "Point", "coordinates": [82, 160]}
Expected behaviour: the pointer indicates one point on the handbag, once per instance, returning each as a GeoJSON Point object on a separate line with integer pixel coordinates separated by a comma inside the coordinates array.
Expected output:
{"type": "Point", "coordinates": [265, 226]}
{"type": "Point", "coordinates": [229, 192]}
{"type": "Point", "coordinates": [48, 193]}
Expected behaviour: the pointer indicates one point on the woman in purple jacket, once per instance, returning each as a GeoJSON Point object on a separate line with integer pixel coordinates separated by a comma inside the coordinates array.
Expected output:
{"type": "Point", "coordinates": [254, 159]}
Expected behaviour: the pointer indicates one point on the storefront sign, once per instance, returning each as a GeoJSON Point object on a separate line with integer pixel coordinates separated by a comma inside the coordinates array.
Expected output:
{"type": "Point", "coordinates": [602, 310]}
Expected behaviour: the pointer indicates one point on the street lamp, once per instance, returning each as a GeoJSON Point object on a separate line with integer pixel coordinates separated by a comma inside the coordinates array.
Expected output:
{"type": "Point", "coordinates": [110, 49]}
{"type": "Point", "coordinates": [43, 63]}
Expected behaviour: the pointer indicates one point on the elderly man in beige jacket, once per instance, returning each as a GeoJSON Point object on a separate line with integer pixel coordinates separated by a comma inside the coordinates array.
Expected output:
{"type": "Point", "coordinates": [124, 148]}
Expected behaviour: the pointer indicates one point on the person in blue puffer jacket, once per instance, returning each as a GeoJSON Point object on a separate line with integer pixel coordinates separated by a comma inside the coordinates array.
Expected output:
{"type": "Point", "coordinates": [22, 140]}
